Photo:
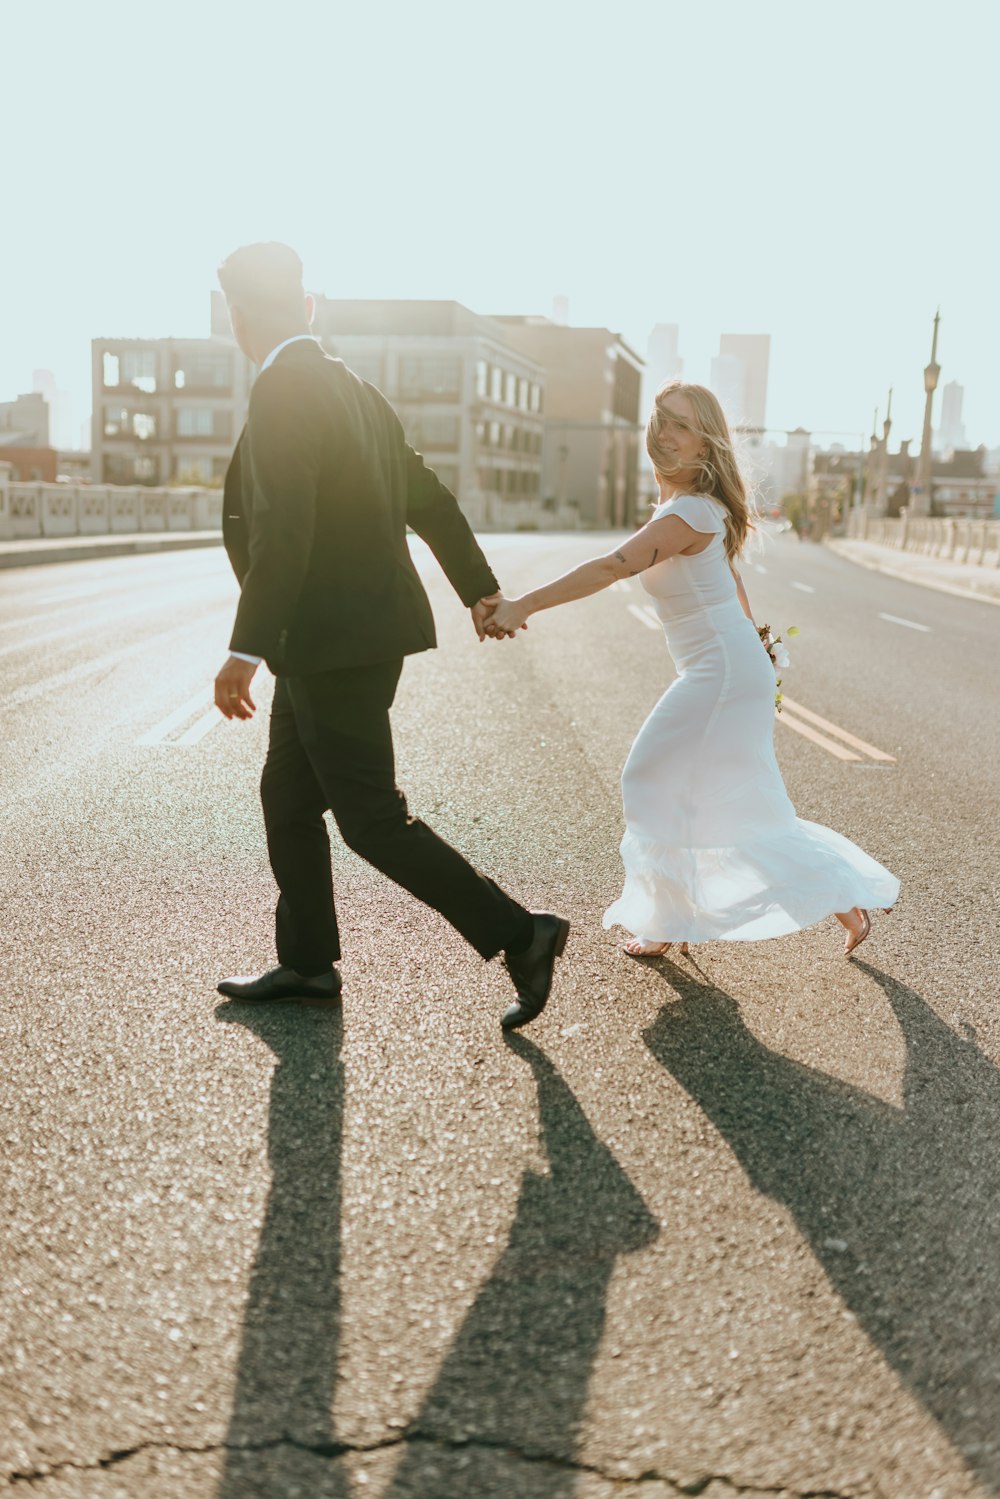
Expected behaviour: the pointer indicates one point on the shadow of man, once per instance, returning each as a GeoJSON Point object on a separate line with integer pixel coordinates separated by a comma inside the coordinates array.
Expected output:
{"type": "Point", "coordinates": [288, 1354]}
{"type": "Point", "coordinates": [899, 1205]}
{"type": "Point", "coordinates": [517, 1373]}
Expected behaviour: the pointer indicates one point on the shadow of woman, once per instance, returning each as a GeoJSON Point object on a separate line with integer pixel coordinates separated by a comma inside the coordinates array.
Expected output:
{"type": "Point", "coordinates": [517, 1374]}
{"type": "Point", "coordinates": [899, 1205]}
{"type": "Point", "coordinates": [288, 1353]}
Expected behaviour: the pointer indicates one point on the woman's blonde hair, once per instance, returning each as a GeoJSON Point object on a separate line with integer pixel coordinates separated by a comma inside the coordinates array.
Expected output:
{"type": "Point", "coordinates": [718, 470]}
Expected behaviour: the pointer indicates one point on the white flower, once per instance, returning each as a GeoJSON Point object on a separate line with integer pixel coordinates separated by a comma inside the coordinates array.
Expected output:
{"type": "Point", "coordinates": [781, 658]}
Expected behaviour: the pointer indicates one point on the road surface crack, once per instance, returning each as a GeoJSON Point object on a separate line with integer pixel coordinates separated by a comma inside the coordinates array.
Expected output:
{"type": "Point", "coordinates": [689, 1488]}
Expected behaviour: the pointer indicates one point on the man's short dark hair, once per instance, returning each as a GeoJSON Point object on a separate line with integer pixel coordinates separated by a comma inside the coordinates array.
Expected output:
{"type": "Point", "coordinates": [264, 280]}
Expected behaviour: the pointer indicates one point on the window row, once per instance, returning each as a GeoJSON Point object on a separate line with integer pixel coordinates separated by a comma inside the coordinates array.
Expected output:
{"type": "Point", "coordinates": [516, 482]}
{"type": "Point", "coordinates": [511, 439]}
{"type": "Point", "coordinates": [135, 369]}
{"type": "Point", "coordinates": [508, 389]}
{"type": "Point", "coordinates": [191, 421]}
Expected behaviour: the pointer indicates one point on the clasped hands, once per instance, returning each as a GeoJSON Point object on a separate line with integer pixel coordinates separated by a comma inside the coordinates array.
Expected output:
{"type": "Point", "coordinates": [499, 618]}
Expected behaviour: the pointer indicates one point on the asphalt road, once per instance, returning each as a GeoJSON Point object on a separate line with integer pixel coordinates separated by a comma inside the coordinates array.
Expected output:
{"type": "Point", "coordinates": [719, 1226]}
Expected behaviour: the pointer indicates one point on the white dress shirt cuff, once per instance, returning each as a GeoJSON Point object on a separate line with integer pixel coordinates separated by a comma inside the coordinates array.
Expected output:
{"type": "Point", "coordinates": [254, 660]}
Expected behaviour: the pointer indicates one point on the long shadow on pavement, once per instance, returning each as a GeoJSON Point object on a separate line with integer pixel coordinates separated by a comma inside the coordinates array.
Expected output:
{"type": "Point", "coordinates": [900, 1205]}
{"type": "Point", "coordinates": [288, 1355]}
{"type": "Point", "coordinates": [517, 1374]}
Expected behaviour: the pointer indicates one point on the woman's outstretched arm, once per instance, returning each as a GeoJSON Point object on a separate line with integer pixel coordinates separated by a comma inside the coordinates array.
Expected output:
{"type": "Point", "coordinates": [656, 542]}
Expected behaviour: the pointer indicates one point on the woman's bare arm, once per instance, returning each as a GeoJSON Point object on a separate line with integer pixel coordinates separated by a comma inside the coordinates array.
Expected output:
{"type": "Point", "coordinates": [741, 594]}
{"type": "Point", "coordinates": [656, 542]}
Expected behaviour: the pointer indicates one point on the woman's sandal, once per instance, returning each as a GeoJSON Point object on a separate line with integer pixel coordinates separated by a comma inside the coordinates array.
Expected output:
{"type": "Point", "coordinates": [854, 939]}
{"type": "Point", "coordinates": [645, 949]}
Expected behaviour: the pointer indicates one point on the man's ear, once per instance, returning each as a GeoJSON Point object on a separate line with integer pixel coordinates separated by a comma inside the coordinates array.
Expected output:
{"type": "Point", "coordinates": [310, 308]}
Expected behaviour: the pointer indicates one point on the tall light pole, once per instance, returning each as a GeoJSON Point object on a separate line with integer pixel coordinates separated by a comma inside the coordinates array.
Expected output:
{"type": "Point", "coordinates": [882, 481]}
{"type": "Point", "coordinates": [920, 489]}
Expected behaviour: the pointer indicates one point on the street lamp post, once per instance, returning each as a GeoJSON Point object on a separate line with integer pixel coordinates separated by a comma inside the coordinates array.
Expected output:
{"type": "Point", "coordinates": [920, 489]}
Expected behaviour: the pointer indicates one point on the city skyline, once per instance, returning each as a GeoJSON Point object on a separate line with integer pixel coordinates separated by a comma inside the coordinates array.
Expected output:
{"type": "Point", "coordinates": [821, 232]}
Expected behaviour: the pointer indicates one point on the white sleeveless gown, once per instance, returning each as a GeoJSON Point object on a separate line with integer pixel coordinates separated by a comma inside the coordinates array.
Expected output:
{"type": "Point", "coordinates": [713, 850]}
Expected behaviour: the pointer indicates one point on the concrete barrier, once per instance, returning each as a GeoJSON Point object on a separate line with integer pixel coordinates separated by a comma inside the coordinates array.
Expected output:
{"type": "Point", "coordinates": [951, 538]}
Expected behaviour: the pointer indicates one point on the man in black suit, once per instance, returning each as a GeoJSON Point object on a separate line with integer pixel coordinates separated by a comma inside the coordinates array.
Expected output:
{"type": "Point", "coordinates": [320, 491]}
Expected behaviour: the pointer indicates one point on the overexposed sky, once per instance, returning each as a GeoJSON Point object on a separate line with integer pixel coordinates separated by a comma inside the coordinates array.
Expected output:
{"type": "Point", "coordinates": [822, 172]}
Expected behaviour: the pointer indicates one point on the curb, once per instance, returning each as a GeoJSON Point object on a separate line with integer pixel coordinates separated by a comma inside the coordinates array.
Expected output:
{"type": "Point", "coordinates": [874, 564]}
{"type": "Point", "coordinates": [73, 549]}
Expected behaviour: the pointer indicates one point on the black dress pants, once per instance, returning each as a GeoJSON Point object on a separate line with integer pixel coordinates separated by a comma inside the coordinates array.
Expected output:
{"type": "Point", "coordinates": [330, 748]}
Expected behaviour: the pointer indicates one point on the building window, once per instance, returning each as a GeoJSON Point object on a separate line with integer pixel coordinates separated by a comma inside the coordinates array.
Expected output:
{"type": "Point", "coordinates": [494, 434]}
{"type": "Point", "coordinates": [536, 397]}
{"type": "Point", "coordinates": [435, 432]}
{"type": "Point", "coordinates": [111, 375]}
{"type": "Point", "coordinates": [204, 372]}
{"type": "Point", "coordinates": [203, 421]}
{"type": "Point", "coordinates": [496, 384]}
{"type": "Point", "coordinates": [510, 390]}
{"type": "Point", "coordinates": [522, 394]}
{"type": "Point", "coordinates": [144, 426]}
{"type": "Point", "coordinates": [193, 470]}
{"type": "Point", "coordinates": [482, 379]}
{"type": "Point", "coordinates": [425, 379]}
{"type": "Point", "coordinates": [115, 421]}
{"type": "Point", "coordinates": [138, 368]}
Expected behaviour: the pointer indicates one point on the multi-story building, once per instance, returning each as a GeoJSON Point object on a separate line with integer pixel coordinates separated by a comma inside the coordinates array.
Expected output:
{"type": "Point", "coordinates": [739, 377]}
{"type": "Point", "coordinates": [663, 363]}
{"type": "Point", "coordinates": [166, 410]}
{"type": "Point", "coordinates": [951, 433]}
{"type": "Point", "coordinates": [469, 401]}
{"type": "Point", "coordinates": [24, 421]}
{"type": "Point", "coordinates": [593, 384]}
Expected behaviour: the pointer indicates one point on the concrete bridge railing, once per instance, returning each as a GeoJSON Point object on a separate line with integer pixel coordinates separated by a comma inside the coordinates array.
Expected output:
{"type": "Point", "coordinates": [951, 538]}
{"type": "Point", "coordinates": [40, 510]}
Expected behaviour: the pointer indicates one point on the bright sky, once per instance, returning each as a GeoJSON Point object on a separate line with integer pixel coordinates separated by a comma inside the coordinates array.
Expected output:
{"type": "Point", "coordinates": [820, 172]}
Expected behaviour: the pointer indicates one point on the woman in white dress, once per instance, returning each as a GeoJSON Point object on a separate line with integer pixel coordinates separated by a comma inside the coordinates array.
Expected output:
{"type": "Point", "coordinates": [713, 850]}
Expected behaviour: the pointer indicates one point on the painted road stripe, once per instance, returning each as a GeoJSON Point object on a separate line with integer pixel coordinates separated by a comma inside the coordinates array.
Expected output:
{"type": "Point", "coordinates": [643, 617]}
{"type": "Point", "coordinates": [910, 624]}
{"type": "Point", "coordinates": [804, 587]}
{"type": "Point", "coordinates": [807, 733]}
{"type": "Point", "coordinates": [201, 727]}
{"type": "Point", "coordinates": [832, 728]}
{"type": "Point", "coordinates": [158, 733]}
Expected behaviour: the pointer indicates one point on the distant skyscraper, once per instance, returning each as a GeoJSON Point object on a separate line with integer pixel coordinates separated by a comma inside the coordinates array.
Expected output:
{"type": "Point", "coordinates": [728, 379]}
{"type": "Point", "coordinates": [560, 311]}
{"type": "Point", "coordinates": [951, 433]}
{"type": "Point", "coordinates": [662, 362]}
{"type": "Point", "coordinates": [59, 402]}
{"type": "Point", "coordinates": [749, 392]}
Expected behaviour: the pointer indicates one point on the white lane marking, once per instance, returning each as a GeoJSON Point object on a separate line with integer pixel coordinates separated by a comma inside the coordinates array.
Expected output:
{"type": "Point", "coordinates": [201, 727]}
{"type": "Point", "coordinates": [158, 733]}
{"type": "Point", "coordinates": [828, 744]}
{"type": "Point", "coordinates": [643, 618]}
{"type": "Point", "coordinates": [804, 587]}
{"type": "Point", "coordinates": [835, 729]}
{"type": "Point", "coordinates": [910, 624]}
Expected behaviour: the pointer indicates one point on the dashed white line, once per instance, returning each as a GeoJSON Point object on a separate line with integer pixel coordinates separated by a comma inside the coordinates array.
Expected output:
{"type": "Point", "coordinates": [830, 745]}
{"type": "Point", "coordinates": [804, 587]}
{"type": "Point", "coordinates": [910, 624]}
{"type": "Point", "coordinates": [649, 620]}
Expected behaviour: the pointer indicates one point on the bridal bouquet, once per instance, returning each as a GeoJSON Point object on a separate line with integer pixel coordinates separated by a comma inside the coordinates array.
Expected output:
{"type": "Point", "coordinates": [779, 656]}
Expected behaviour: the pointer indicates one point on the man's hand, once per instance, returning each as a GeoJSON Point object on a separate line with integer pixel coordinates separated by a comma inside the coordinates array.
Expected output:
{"type": "Point", "coordinates": [481, 613]}
{"type": "Point", "coordinates": [232, 689]}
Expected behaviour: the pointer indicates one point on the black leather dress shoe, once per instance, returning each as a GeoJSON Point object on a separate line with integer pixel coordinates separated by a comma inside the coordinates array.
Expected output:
{"type": "Point", "coordinates": [284, 983]}
{"type": "Point", "coordinates": [532, 969]}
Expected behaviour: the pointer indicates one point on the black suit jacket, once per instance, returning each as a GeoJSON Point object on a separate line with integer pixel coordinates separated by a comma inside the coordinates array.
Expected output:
{"type": "Point", "coordinates": [318, 496]}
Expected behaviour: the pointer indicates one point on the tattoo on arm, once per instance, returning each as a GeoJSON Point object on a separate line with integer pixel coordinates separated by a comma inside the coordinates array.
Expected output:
{"type": "Point", "coordinates": [635, 571]}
